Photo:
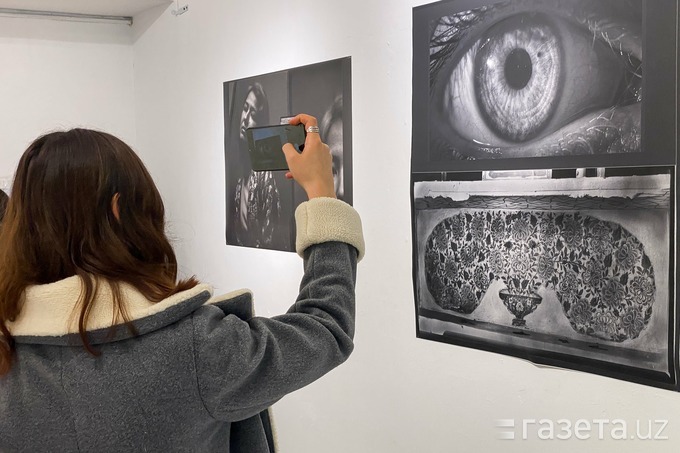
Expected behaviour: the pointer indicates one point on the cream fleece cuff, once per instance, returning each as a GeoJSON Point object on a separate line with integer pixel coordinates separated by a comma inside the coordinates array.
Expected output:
{"type": "Point", "coordinates": [328, 219]}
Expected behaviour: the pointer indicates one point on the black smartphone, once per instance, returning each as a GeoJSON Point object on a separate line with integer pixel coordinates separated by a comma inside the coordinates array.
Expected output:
{"type": "Point", "coordinates": [265, 143]}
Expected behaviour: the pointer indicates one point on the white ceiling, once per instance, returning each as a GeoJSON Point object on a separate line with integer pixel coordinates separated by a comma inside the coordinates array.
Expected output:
{"type": "Point", "coordinates": [98, 7]}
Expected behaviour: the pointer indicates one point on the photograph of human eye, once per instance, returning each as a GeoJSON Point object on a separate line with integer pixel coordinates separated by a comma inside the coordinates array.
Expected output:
{"type": "Point", "coordinates": [537, 78]}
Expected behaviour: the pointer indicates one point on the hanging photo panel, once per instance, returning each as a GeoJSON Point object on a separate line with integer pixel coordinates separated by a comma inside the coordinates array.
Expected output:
{"type": "Point", "coordinates": [260, 205]}
{"type": "Point", "coordinates": [568, 268]}
{"type": "Point", "coordinates": [543, 84]}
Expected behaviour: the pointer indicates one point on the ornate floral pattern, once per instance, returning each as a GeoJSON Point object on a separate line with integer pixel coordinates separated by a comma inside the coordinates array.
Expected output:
{"type": "Point", "coordinates": [568, 284]}
{"type": "Point", "coordinates": [457, 268]}
{"type": "Point", "coordinates": [605, 323]}
{"type": "Point", "coordinates": [477, 227]}
{"type": "Point", "coordinates": [580, 312]}
{"type": "Point", "coordinates": [609, 272]}
{"type": "Point", "coordinates": [632, 322]}
{"type": "Point", "coordinates": [545, 267]}
{"type": "Point", "coordinates": [603, 278]}
{"type": "Point", "coordinates": [593, 274]}
{"type": "Point", "coordinates": [572, 231]}
{"type": "Point", "coordinates": [627, 255]}
{"type": "Point", "coordinates": [498, 228]}
{"type": "Point", "coordinates": [612, 292]}
{"type": "Point", "coordinates": [548, 230]}
{"type": "Point", "coordinates": [497, 261]}
{"type": "Point", "coordinates": [521, 229]}
{"type": "Point", "coordinates": [643, 290]}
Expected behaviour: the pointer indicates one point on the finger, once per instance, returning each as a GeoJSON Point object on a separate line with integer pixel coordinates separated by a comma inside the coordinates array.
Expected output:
{"type": "Point", "coordinates": [312, 140]}
{"type": "Point", "coordinates": [307, 120]}
{"type": "Point", "coordinates": [289, 151]}
{"type": "Point", "coordinates": [289, 175]}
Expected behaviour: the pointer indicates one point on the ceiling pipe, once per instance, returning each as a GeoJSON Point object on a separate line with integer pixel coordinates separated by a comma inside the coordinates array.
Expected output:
{"type": "Point", "coordinates": [55, 15]}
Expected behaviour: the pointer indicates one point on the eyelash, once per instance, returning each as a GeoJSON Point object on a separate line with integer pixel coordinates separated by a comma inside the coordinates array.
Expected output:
{"type": "Point", "coordinates": [465, 21]}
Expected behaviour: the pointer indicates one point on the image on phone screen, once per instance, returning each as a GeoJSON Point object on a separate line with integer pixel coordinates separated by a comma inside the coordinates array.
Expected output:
{"type": "Point", "coordinates": [265, 144]}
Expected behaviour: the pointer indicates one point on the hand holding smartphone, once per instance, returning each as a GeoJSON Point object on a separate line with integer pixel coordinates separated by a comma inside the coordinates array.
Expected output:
{"type": "Point", "coordinates": [313, 169]}
{"type": "Point", "coordinates": [265, 144]}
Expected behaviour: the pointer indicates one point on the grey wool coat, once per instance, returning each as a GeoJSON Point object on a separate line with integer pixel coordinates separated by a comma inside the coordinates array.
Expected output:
{"type": "Point", "coordinates": [200, 373]}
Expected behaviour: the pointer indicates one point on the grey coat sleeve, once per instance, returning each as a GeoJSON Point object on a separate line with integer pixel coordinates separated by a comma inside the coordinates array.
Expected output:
{"type": "Point", "coordinates": [244, 366]}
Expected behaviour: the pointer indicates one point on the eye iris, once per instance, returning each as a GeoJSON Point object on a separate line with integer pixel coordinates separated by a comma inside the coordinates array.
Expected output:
{"type": "Point", "coordinates": [518, 68]}
{"type": "Point", "coordinates": [518, 76]}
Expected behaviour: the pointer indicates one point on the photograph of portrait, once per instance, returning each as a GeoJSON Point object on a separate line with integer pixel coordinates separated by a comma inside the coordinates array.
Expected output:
{"type": "Point", "coordinates": [563, 267]}
{"type": "Point", "coordinates": [260, 205]}
{"type": "Point", "coordinates": [560, 80]}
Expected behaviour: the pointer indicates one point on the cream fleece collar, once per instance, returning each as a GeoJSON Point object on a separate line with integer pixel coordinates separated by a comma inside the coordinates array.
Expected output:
{"type": "Point", "coordinates": [50, 310]}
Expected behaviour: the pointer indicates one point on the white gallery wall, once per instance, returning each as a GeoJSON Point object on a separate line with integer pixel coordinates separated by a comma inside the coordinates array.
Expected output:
{"type": "Point", "coordinates": [396, 393]}
{"type": "Point", "coordinates": [57, 75]}
{"type": "Point", "coordinates": [159, 87]}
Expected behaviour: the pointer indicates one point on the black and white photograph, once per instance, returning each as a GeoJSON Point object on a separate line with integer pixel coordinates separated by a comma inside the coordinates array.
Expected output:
{"type": "Point", "coordinates": [572, 268]}
{"type": "Point", "coordinates": [533, 79]}
{"type": "Point", "coordinates": [260, 205]}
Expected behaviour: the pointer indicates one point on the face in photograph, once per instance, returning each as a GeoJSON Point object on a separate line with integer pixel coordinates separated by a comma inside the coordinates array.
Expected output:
{"type": "Point", "coordinates": [530, 78]}
{"type": "Point", "coordinates": [255, 109]}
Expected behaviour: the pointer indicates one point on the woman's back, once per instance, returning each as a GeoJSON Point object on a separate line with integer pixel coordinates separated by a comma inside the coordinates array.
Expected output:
{"type": "Point", "coordinates": [182, 372]}
{"type": "Point", "coordinates": [139, 395]}
{"type": "Point", "coordinates": [196, 375]}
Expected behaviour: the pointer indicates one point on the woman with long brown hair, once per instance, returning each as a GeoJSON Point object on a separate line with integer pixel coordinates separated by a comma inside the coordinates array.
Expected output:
{"type": "Point", "coordinates": [104, 349]}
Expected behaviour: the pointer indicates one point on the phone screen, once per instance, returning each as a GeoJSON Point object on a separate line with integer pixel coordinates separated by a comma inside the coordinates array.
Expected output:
{"type": "Point", "coordinates": [265, 143]}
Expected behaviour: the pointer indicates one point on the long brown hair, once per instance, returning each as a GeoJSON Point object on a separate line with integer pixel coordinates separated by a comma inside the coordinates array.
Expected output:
{"type": "Point", "coordinates": [60, 223]}
{"type": "Point", "coordinates": [3, 204]}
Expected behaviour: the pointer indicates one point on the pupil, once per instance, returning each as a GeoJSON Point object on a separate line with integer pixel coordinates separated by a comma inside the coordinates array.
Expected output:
{"type": "Point", "coordinates": [518, 68]}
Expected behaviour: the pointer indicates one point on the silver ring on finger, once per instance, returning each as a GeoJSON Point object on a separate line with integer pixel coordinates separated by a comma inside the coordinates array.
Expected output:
{"type": "Point", "coordinates": [312, 129]}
